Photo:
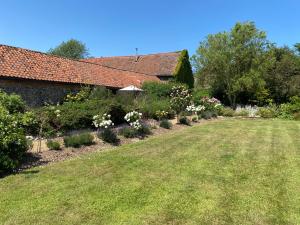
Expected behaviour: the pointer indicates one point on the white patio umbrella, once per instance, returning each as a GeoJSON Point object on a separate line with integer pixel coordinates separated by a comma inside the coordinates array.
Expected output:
{"type": "Point", "coordinates": [131, 88]}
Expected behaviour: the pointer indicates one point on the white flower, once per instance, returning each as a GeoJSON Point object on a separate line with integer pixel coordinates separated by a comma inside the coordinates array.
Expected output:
{"type": "Point", "coordinates": [104, 122]}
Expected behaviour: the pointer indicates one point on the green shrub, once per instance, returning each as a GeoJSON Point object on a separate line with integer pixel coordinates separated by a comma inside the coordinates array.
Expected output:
{"type": "Point", "coordinates": [13, 143]}
{"type": "Point", "coordinates": [73, 115]}
{"type": "Point", "coordinates": [117, 113]}
{"type": "Point", "coordinates": [150, 105]}
{"type": "Point", "coordinates": [86, 139]}
{"type": "Point", "coordinates": [242, 112]}
{"type": "Point", "coordinates": [288, 110]}
{"type": "Point", "coordinates": [100, 93]}
{"type": "Point", "coordinates": [165, 124]}
{"type": "Point", "coordinates": [77, 141]}
{"type": "Point", "coordinates": [198, 94]}
{"type": "Point", "coordinates": [53, 145]}
{"type": "Point", "coordinates": [127, 100]}
{"type": "Point", "coordinates": [206, 115]}
{"type": "Point", "coordinates": [29, 122]}
{"type": "Point", "coordinates": [227, 111]}
{"type": "Point", "coordinates": [285, 111]}
{"type": "Point", "coordinates": [144, 131]}
{"type": "Point", "coordinates": [72, 141]}
{"type": "Point", "coordinates": [267, 112]}
{"type": "Point", "coordinates": [79, 96]}
{"type": "Point", "coordinates": [184, 120]}
{"type": "Point", "coordinates": [158, 89]}
{"type": "Point", "coordinates": [13, 103]}
{"type": "Point", "coordinates": [109, 136]}
{"type": "Point", "coordinates": [214, 114]}
{"type": "Point", "coordinates": [128, 132]}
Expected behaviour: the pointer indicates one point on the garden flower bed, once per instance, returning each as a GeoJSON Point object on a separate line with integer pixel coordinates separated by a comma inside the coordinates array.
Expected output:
{"type": "Point", "coordinates": [46, 156]}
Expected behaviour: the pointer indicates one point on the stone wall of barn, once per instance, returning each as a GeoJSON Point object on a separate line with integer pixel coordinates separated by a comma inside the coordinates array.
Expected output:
{"type": "Point", "coordinates": [37, 93]}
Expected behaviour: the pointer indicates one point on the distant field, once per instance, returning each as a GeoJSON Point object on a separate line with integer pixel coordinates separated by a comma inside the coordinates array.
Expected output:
{"type": "Point", "coordinates": [224, 172]}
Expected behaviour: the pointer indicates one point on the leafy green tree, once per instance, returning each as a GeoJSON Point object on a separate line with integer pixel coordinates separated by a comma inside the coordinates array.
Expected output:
{"type": "Point", "coordinates": [183, 72]}
{"type": "Point", "coordinates": [71, 49]}
{"type": "Point", "coordinates": [233, 63]}
{"type": "Point", "coordinates": [283, 76]}
{"type": "Point", "coordinates": [297, 46]}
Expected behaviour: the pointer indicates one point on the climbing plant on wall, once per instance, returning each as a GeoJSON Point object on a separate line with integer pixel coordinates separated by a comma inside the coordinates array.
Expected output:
{"type": "Point", "coordinates": [183, 72]}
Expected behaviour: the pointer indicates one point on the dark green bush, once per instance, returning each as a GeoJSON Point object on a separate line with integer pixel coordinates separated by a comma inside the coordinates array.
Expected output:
{"type": "Point", "coordinates": [214, 114]}
{"type": "Point", "coordinates": [128, 132]}
{"type": "Point", "coordinates": [13, 143]}
{"type": "Point", "coordinates": [117, 113]}
{"type": "Point", "coordinates": [184, 120]}
{"type": "Point", "coordinates": [109, 136]}
{"type": "Point", "coordinates": [53, 145]}
{"type": "Point", "coordinates": [206, 115]}
{"type": "Point", "coordinates": [77, 141]}
{"type": "Point", "coordinates": [144, 131]}
{"type": "Point", "coordinates": [165, 124]}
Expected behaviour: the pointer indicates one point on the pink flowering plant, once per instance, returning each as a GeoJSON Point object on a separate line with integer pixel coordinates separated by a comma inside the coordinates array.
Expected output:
{"type": "Point", "coordinates": [211, 104]}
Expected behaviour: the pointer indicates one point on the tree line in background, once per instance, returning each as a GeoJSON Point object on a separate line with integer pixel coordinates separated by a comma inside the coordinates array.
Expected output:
{"type": "Point", "coordinates": [242, 66]}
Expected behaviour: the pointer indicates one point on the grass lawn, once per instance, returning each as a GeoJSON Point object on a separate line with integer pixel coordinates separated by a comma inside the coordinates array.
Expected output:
{"type": "Point", "coordinates": [224, 172]}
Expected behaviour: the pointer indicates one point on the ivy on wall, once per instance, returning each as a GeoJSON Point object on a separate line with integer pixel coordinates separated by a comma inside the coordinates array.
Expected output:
{"type": "Point", "coordinates": [183, 71]}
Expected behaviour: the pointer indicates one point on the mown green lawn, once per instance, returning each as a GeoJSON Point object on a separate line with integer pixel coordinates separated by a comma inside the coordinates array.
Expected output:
{"type": "Point", "coordinates": [224, 172]}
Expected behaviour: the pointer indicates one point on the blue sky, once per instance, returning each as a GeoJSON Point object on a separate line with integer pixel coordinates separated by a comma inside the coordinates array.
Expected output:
{"type": "Point", "coordinates": [116, 27]}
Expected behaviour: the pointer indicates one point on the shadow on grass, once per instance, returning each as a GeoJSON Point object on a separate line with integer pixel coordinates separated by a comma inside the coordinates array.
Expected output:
{"type": "Point", "coordinates": [30, 160]}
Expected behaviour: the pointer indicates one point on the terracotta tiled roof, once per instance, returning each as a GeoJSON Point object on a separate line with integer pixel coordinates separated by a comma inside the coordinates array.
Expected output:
{"type": "Point", "coordinates": [27, 64]}
{"type": "Point", "coordinates": [161, 64]}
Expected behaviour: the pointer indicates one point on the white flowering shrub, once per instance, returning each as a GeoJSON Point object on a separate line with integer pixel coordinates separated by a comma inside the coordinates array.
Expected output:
{"type": "Point", "coordinates": [133, 118]}
{"type": "Point", "coordinates": [103, 121]}
{"type": "Point", "coordinates": [13, 143]}
{"type": "Point", "coordinates": [180, 98]}
{"type": "Point", "coordinates": [248, 110]}
{"type": "Point", "coordinates": [195, 109]}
